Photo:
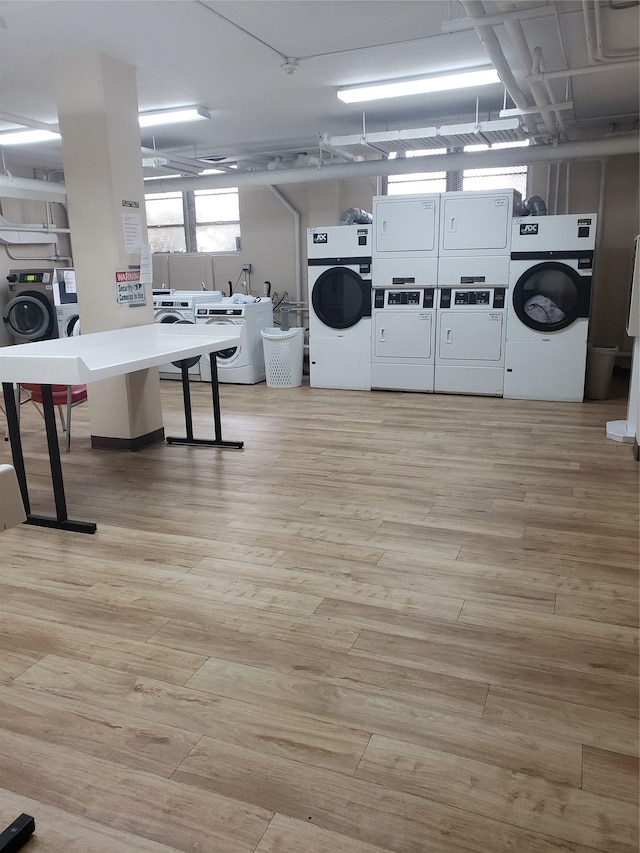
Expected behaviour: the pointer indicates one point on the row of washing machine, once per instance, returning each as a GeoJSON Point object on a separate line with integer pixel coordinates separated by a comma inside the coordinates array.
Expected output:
{"type": "Point", "coordinates": [242, 364]}
{"type": "Point", "coordinates": [484, 322]}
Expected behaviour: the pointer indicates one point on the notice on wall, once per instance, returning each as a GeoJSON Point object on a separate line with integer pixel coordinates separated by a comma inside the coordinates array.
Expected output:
{"type": "Point", "coordinates": [132, 232]}
{"type": "Point", "coordinates": [129, 288]}
{"type": "Point", "coordinates": [146, 268]}
{"type": "Point", "coordinates": [69, 278]}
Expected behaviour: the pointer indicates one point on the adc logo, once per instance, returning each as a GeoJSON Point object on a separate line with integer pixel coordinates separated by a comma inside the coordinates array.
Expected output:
{"type": "Point", "coordinates": [321, 238]}
{"type": "Point", "coordinates": [529, 228]}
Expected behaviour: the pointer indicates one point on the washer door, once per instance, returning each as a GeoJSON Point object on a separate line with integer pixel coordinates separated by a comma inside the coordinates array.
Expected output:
{"type": "Point", "coordinates": [341, 298]}
{"type": "Point", "coordinates": [551, 296]}
{"type": "Point", "coordinates": [30, 316]}
{"type": "Point", "coordinates": [226, 357]}
{"type": "Point", "coordinates": [174, 318]}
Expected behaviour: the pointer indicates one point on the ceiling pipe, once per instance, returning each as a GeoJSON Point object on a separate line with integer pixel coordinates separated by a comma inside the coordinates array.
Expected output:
{"type": "Point", "coordinates": [582, 150]}
{"type": "Point", "coordinates": [475, 11]}
{"type": "Point", "coordinates": [29, 188]}
{"type": "Point", "coordinates": [458, 25]}
{"type": "Point", "coordinates": [516, 35]}
{"type": "Point", "coordinates": [585, 69]}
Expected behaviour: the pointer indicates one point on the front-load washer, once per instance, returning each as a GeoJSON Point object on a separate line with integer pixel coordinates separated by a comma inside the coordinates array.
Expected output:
{"type": "Point", "coordinates": [405, 240]}
{"type": "Point", "coordinates": [402, 339]}
{"type": "Point", "coordinates": [68, 320]}
{"type": "Point", "coordinates": [34, 295]}
{"type": "Point", "coordinates": [549, 302]}
{"type": "Point", "coordinates": [339, 279]}
{"type": "Point", "coordinates": [475, 237]}
{"type": "Point", "coordinates": [242, 364]}
{"type": "Point", "coordinates": [470, 340]}
{"type": "Point", "coordinates": [175, 308]}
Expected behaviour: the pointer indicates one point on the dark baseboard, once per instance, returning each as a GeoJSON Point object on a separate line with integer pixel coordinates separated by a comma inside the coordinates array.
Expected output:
{"type": "Point", "coordinates": [101, 442]}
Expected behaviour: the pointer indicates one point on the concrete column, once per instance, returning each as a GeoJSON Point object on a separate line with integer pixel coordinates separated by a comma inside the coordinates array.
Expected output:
{"type": "Point", "coordinates": [98, 118]}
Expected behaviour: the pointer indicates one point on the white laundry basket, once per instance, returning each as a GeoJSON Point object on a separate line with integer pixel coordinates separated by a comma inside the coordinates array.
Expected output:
{"type": "Point", "coordinates": [283, 356]}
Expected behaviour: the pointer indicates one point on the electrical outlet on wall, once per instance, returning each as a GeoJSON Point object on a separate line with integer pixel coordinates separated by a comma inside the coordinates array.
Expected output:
{"type": "Point", "coordinates": [246, 268]}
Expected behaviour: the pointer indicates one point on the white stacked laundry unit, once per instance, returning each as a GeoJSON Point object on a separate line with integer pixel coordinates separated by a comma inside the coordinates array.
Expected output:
{"type": "Point", "coordinates": [473, 279]}
{"type": "Point", "coordinates": [404, 277]}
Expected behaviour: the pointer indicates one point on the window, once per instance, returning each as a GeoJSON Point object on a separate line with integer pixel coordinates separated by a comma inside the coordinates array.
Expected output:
{"type": "Point", "coordinates": [494, 178]}
{"type": "Point", "coordinates": [418, 182]}
{"type": "Point", "coordinates": [194, 221]}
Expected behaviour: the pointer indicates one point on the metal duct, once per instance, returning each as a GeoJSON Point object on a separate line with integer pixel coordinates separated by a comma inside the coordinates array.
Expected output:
{"type": "Point", "coordinates": [356, 216]}
{"type": "Point", "coordinates": [592, 149]}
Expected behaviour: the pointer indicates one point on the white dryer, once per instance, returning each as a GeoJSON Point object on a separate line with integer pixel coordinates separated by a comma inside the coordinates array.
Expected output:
{"type": "Point", "coordinates": [339, 281]}
{"type": "Point", "coordinates": [549, 301]}
{"type": "Point", "coordinates": [470, 340]}
{"type": "Point", "coordinates": [68, 320]}
{"type": "Point", "coordinates": [475, 237]}
{"type": "Point", "coordinates": [242, 364]}
{"type": "Point", "coordinates": [402, 339]}
{"type": "Point", "coordinates": [405, 241]}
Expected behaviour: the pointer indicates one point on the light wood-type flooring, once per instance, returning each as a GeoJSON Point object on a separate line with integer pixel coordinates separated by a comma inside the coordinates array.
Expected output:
{"type": "Point", "coordinates": [392, 622]}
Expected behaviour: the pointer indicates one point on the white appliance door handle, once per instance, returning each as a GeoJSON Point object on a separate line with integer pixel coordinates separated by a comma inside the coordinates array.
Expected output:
{"type": "Point", "coordinates": [382, 337]}
{"type": "Point", "coordinates": [449, 338]}
{"type": "Point", "coordinates": [452, 224]}
{"type": "Point", "coordinates": [384, 226]}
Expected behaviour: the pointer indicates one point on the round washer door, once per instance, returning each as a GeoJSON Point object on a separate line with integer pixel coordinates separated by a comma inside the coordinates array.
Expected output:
{"type": "Point", "coordinates": [174, 318]}
{"type": "Point", "coordinates": [341, 298]}
{"type": "Point", "coordinates": [72, 328]}
{"type": "Point", "coordinates": [30, 316]}
{"type": "Point", "coordinates": [226, 357]}
{"type": "Point", "coordinates": [551, 296]}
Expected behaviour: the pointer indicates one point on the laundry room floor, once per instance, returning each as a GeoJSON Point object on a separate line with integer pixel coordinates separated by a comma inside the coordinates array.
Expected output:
{"type": "Point", "coordinates": [392, 622]}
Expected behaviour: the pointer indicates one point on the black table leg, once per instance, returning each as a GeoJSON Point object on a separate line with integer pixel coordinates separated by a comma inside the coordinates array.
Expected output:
{"type": "Point", "coordinates": [61, 520]}
{"type": "Point", "coordinates": [215, 394]}
{"type": "Point", "coordinates": [16, 835]}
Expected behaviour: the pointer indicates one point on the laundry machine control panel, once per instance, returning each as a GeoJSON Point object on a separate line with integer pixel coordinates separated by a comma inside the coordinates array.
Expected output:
{"type": "Point", "coordinates": [486, 298]}
{"type": "Point", "coordinates": [423, 298]}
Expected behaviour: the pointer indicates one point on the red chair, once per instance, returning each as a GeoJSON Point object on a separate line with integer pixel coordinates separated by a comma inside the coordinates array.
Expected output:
{"type": "Point", "coordinates": [63, 395]}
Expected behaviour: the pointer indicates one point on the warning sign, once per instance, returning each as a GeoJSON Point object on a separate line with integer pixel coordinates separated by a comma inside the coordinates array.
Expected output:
{"type": "Point", "coordinates": [129, 288]}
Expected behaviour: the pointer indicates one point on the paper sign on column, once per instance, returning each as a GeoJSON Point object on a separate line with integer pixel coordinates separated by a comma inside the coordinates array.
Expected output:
{"type": "Point", "coordinates": [69, 277]}
{"type": "Point", "coordinates": [146, 267]}
{"type": "Point", "coordinates": [132, 231]}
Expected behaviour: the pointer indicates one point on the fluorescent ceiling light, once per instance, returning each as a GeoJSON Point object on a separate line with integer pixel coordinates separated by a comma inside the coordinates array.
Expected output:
{"type": "Point", "coordinates": [159, 117]}
{"type": "Point", "coordinates": [418, 86]}
{"type": "Point", "coordinates": [23, 137]}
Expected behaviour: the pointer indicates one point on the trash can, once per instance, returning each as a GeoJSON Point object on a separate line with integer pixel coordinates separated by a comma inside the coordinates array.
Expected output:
{"type": "Point", "coordinates": [600, 361]}
{"type": "Point", "coordinates": [283, 356]}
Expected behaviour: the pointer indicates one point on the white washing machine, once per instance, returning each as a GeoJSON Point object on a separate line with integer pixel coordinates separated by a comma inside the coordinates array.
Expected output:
{"type": "Point", "coordinates": [176, 308]}
{"type": "Point", "coordinates": [470, 340]}
{"type": "Point", "coordinates": [402, 339]}
{"type": "Point", "coordinates": [549, 300]}
{"type": "Point", "coordinates": [244, 363]}
{"type": "Point", "coordinates": [34, 295]}
{"type": "Point", "coordinates": [475, 237]}
{"type": "Point", "coordinates": [339, 281]}
{"type": "Point", "coordinates": [405, 240]}
{"type": "Point", "coordinates": [68, 320]}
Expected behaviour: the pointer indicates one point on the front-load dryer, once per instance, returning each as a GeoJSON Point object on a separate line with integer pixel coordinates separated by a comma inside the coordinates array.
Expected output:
{"type": "Point", "coordinates": [34, 294]}
{"type": "Point", "coordinates": [549, 301]}
{"type": "Point", "coordinates": [242, 364]}
{"type": "Point", "coordinates": [470, 340]}
{"type": "Point", "coordinates": [402, 339]}
{"type": "Point", "coordinates": [68, 320]}
{"type": "Point", "coordinates": [405, 240]}
{"type": "Point", "coordinates": [339, 280]}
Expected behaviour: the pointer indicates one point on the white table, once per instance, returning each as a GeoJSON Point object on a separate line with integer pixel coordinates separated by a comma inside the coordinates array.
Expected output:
{"type": "Point", "coordinates": [102, 355]}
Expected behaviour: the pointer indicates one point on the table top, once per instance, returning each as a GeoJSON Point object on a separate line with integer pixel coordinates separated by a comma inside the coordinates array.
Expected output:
{"type": "Point", "coordinates": [101, 355]}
